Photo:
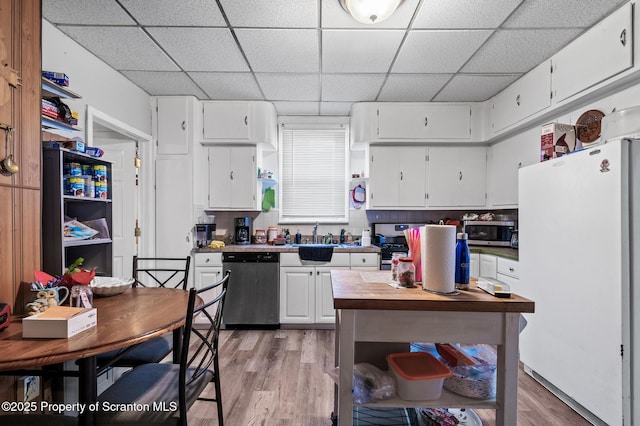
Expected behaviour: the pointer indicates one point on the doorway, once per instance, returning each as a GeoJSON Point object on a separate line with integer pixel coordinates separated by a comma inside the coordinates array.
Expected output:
{"type": "Point", "coordinates": [131, 186]}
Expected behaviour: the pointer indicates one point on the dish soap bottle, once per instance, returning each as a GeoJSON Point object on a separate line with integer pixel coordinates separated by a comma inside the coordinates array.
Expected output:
{"type": "Point", "coordinates": [463, 262]}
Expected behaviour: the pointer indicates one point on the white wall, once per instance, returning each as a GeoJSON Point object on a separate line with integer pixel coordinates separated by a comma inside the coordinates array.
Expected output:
{"type": "Point", "coordinates": [99, 85]}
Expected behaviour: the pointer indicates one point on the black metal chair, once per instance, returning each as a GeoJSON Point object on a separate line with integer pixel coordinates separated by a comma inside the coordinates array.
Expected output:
{"type": "Point", "coordinates": [150, 272]}
{"type": "Point", "coordinates": [160, 385]}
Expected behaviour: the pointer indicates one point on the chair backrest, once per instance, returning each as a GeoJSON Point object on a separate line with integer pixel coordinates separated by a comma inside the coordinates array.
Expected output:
{"type": "Point", "coordinates": [168, 272]}
{"type": "Point", "coordinates": [201, 353]}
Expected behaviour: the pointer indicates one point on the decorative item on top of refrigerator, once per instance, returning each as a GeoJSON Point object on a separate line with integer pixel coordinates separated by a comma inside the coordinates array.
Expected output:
{"type": "Point", "coordinates": [556, 140]}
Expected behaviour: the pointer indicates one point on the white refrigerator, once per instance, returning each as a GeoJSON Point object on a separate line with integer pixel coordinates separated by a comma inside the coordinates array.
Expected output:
{"type": "Point", "coordinates": [580, 261]}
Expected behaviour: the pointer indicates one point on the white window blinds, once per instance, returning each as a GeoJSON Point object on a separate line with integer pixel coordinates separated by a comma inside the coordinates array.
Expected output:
{"type": "Point", "coordinates": [313, 171]}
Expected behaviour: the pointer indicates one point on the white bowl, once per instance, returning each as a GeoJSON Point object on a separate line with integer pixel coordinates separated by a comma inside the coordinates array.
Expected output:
{"type": "Point", "coordinates": [110, 286]}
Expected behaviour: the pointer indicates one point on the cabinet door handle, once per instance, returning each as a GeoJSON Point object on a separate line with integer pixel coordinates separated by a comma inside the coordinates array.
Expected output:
{"type": "Point", "coordinates": [184, 125]}
{"type": "Point", "coordinates": [317, 272]}
{"type": "Point", "coordinates": [310, 273]}
{"type": "Point", "coordinates": [231, 175]}
{"type": "Point", "coordinates": [401, 176]}
{"type": "Point", "coordinates": [623, 37]}
{"type": "Point", "coordinates": [207, 260]}
{"type": "Point", "coordinates": [246, 118]}
{"type": "Point", "coordinates": [511, 269]}
{"type": "Point", "coordinates": [520, 164]}
{"type": "Point", "coordinates": [426, 121]}
{"type": "Point", "coordinates": [518, 100]}
{"type": "Point", "coordinates": [460, 176]}
{"type": "Point", "coordinates": [364, 260]}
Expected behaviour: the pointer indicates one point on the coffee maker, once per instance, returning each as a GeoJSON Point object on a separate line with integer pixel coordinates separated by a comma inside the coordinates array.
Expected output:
{"type": "Point", "coordinates": [205, 233]}
{"type": "Point", "coordinates": [242, 234]}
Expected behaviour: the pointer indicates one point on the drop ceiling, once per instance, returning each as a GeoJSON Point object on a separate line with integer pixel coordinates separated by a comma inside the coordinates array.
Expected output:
{"type": "Point", "coordinates": [309, 57]}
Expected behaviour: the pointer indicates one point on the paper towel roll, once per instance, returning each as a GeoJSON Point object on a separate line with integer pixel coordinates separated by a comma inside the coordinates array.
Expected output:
{"type": "Point", "coordinates": [439, 258]}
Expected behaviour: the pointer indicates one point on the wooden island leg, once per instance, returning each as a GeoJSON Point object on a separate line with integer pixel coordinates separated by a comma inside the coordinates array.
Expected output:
{"type": "Point", "coordinates": [345, 362]}
{"type": "Point", "coordinates": [507, 380]}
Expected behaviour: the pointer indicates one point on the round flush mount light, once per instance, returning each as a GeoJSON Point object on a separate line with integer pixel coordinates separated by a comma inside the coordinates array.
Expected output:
{"type": "Point", "coordinates": [370, 11]}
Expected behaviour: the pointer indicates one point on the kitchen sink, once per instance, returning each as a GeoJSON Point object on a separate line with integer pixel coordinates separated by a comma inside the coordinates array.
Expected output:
{"type": "Point", "coordinates": [343, 245]}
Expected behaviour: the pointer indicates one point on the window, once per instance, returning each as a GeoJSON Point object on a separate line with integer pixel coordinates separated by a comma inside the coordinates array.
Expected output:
{"type": "Point", "coordinates": [313, 173]}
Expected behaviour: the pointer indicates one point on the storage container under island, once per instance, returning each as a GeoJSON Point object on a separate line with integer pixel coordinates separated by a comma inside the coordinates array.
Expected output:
{"type": "Point", "coordinates": [418, 375]}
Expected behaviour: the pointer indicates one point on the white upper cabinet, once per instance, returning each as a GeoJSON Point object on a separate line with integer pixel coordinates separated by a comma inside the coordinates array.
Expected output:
{"type": "Point", "coordinates": [228, 121]}
{"type": "Point", "coordinates": [239, 122]}
{"type": "Point", "coordinates": [175, 124]}
{"type": "Point", "coordinates": [457, 177]}
{"type": "Point", "coordinates": [423, 121]}
{"type": "Point", "coordinates": [602, 52]}
{"type": "Point", "coordinates": [525, 97]}
{"type": "Point", "coordinates": [232, 177]}
{"type": "Point", "coordinates": [505, 159]}
{"type": "Point", "coordinates": [397, 177]}
{"type": "Point", "coordinates": [389, 122]}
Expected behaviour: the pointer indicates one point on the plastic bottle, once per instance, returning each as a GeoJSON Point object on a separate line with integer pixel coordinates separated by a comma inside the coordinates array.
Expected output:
{"type": "Point", "coordinates": [463, 262]}
{"type": "Point", "coordinates": [298, 237]}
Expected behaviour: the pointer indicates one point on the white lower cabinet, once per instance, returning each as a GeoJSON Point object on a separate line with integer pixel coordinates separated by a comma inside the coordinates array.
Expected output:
{"type": "Point", "coordinates": [508, 272]}
{"type": "Point", "coordinates": [475, 265]}
{"type": "Point", "coordinates": [305, 290]}
{"type": "Point", "coordinates": [207, 270]}
{"type": "Point", "coordinates": [488, 266]}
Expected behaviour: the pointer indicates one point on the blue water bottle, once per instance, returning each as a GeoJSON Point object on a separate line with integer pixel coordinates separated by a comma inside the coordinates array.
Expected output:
{"type": "Point", "coordinates": [463, 262]}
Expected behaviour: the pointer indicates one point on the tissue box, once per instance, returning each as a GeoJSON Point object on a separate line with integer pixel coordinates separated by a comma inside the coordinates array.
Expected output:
{"type": "Point", "coordinates": [59, 322]}
{"type": "Point", "coordinates": [556, 140]}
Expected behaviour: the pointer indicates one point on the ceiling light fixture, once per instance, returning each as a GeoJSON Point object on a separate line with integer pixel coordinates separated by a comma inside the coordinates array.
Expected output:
{"type": "Point", "coordinates": [370, 11]}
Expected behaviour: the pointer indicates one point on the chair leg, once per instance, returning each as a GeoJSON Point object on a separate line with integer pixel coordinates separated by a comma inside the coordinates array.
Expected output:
{"type": "Point", "coordinates": [218, 392]}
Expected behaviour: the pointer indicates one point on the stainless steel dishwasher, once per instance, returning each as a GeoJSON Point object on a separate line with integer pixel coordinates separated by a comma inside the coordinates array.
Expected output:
{"type": "Point", "coordinates": [253, 298]}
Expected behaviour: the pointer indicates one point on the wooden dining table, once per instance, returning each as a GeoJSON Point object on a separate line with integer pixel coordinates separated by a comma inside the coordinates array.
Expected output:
{"type": "Point", "coordinates": [134, 316]}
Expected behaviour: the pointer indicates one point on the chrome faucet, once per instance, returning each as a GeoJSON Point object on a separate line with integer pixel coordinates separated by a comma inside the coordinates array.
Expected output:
{"type": "Point", "coordinates": [315, 233]}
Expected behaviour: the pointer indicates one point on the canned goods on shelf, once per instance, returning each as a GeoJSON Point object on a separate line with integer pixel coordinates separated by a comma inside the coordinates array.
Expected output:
{"type": "Point", "coordinates": [75, 186]}
{"type": "Point", "coordinates": [101, 189]}
{"type": "Point", "coordinates": [75, 169]}
{"type": "Point", "coordinates": [100, 173]}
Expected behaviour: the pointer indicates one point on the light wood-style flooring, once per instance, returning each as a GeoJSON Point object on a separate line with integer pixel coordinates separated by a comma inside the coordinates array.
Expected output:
{"type": "Point", "coordinates": [278, 377]}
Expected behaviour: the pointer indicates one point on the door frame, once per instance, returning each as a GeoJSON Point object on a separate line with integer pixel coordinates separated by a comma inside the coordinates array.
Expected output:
{"type": "Point", "coordinates": [97, 119]}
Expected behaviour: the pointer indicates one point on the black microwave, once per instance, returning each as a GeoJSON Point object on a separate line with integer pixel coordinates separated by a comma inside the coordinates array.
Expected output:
{"type": "Point", "coordinates": [489, 233]}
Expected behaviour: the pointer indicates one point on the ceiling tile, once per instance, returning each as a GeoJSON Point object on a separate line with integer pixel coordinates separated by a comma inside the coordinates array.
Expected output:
{"type": "Point", "coordinates": [516, 51]}
{"type": "Point", "coordinates": [359, 51]}
{"type": "Point", "coordinates": [166, 13]}
{"type": "Point", "coordinates": [228, 86]}
{"type": "Point", "coordinates": [272, 14]}
{"type": "Point", "coordinates": [294, 87]}
{"type": "Point", "coordinates": [412, 87]}
{"type": "Point", "coordinates": [297, 108]}
{"type": "Point", "coordinates": [561, 14]}
{"type": "Point", "coordinates": [85, 12]}
{"type": "Point", "coordinates": [281, 50]}
{"type": "Point", "coordinates": [129, 48]}
{"type": "Point", "coordinates": [334, 16]}
{"type": "Point", "coordinates": [165, 83]}
{"type": "Point", "coordinates": [452, 14]}
{"type": "Point", "coordinates": [351, 87]}
{"type": "Point", "coordinates": [335, 108]}
{"type": "Point", "coordinates": [201, 49]}
{"type": "Point", "coordinates": [474, 88]}
{"type": "Point", "coordinates": [438, 51]}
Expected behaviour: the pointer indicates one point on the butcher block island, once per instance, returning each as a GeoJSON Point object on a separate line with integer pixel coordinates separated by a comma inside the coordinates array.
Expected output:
{"type": "Point", "coordinates": [368, 309]}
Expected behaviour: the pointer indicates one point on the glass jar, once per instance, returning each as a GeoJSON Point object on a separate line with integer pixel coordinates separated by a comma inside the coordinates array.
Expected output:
{"type": "Point", "coordinates": [260, 237]}
{"type": "Point", "coordinates": [81, 296]}
{"type": "Point", "coordinates": [406, 272]}
{"type": "Point", "coordinates": [395, 259]}
{"type": "Point", "coordinates": [272, 234]}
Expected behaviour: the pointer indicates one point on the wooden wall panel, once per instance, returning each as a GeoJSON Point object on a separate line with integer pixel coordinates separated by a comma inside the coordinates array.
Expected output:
{"type": "Point", "coordinates": [20, 196]}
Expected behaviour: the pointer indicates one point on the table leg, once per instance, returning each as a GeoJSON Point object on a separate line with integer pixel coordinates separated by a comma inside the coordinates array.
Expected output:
{"type": "Point", "coordinates": [507, 380]}
{"type": "Point", "coordinates": [345, 361]}
{"type": "Point", "coordinates": [87, 387]}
